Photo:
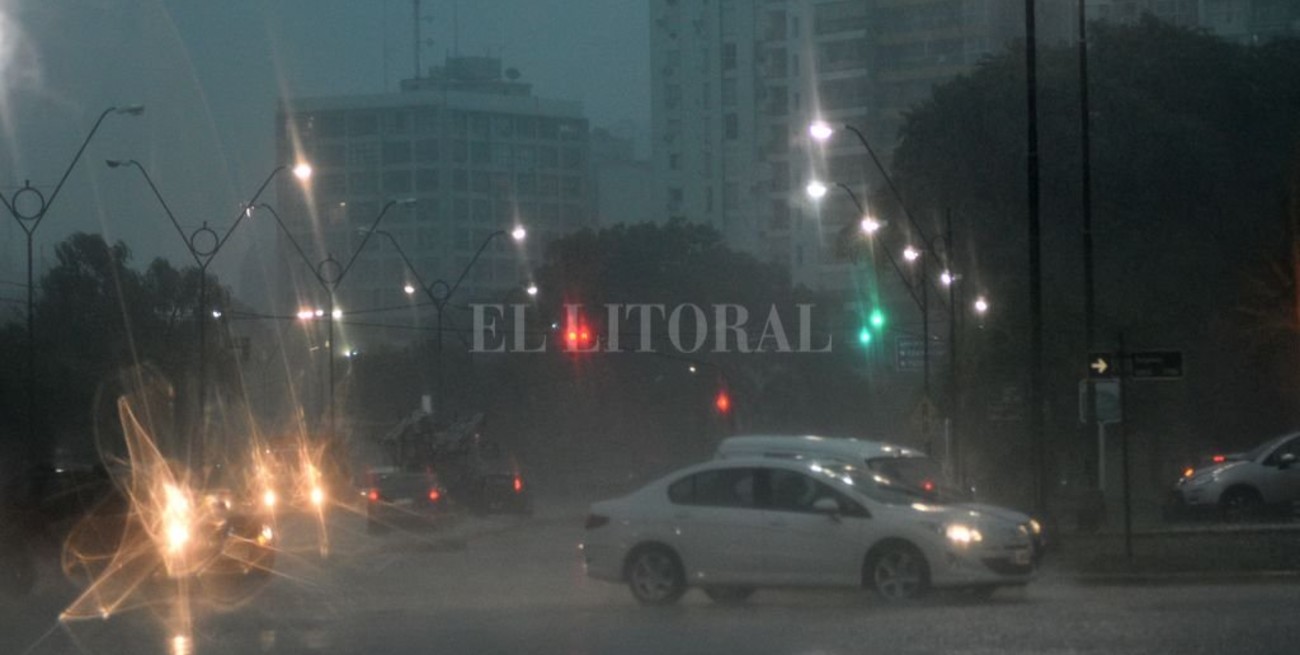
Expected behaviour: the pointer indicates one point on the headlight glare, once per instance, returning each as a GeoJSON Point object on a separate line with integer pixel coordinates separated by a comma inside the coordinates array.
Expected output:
{"type": "Point", "coordinates": [962, 535]}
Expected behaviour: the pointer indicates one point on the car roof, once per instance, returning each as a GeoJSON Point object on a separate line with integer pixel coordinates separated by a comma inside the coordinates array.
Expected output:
{"type": "Point", "coordinates": [849, 448]}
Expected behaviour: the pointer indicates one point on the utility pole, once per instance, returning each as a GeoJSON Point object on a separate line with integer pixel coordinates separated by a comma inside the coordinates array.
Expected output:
{"type": "Point", "coordinates": [1036, 423]}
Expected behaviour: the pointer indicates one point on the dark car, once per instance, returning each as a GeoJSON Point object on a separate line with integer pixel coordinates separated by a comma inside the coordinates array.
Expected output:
{"type": "Point", "coordinates": [483, 477]}
{"type": "Point", "coordinates": [397, 496]}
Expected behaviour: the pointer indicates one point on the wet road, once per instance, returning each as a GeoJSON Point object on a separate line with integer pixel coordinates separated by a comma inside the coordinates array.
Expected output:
{"type": "Point", "coordinates": [512, 585]}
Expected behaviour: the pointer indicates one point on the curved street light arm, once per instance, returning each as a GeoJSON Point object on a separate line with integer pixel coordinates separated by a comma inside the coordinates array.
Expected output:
{"type": "Point", "coordinates": [470, 265]}
{"type": "Point", "coordinates": [10, 207]}
{"type": "Point", "coordinates": [248, 208]}
{"type": "Point", "coordinates": [301, 253]}
{"type": "Point", "coordinates": [373, 228]}
{"type": "Point", "coordinates": [411, 267]}
{"type": "Point", "coordinates": [889, 181]}
{"type": "Point", "coordinates": [188, 246]}
{"type": "Point", "coordinates": [907, 284]}
{"type": "Point", "coordinates": [133, 110]}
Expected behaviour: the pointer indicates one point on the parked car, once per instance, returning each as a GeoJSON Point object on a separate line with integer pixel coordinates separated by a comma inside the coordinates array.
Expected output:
{"type": "Point", "coordinates": [901, 465]}
{"type": "Point", "coordinates": [729, 526]}
{"type": "Point", "coordinates": [1246, 485]}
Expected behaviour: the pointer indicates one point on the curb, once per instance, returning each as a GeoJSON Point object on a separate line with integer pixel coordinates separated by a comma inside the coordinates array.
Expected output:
{"type": "Point", "coordinates": [1181, 577]}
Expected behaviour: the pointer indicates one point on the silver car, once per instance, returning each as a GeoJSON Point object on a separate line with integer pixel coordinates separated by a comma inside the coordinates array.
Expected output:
{"type": "Point", "coordinates": [1266, 477]}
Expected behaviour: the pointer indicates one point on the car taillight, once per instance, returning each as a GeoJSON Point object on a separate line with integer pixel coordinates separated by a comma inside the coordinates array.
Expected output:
{"type": "Point", "coordinates": [1219, 459]}
{"type": "Point", "coordinates": [434, 495]}
{"type": "Point", "coordinates": [927, 485]}
{"type": "Point", "coordinates": [373, 495]}
{"type": "Point", "coordinates": [595, 521]}
{"type": "Point", "coordinates": [519, 484]}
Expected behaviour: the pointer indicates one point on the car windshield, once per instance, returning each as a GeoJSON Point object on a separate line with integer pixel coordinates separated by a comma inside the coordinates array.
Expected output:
{"type": "Point", "coordinates": [922, 474]}
{"type": "Point", "coordinates": [872, 485]}
{"type": "Point", "coordinates": [1264, 448]}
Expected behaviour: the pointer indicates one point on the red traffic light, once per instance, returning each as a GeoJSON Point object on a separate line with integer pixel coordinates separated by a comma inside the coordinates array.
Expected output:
{"type": "Point", "coordinates": [722, 402]}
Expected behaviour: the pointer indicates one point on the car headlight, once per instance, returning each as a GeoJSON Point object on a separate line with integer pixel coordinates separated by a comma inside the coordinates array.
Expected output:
{"type": "Point", "coordinates": [962, 535]}
{"type": "Point", "coordinates": [1035, 528]}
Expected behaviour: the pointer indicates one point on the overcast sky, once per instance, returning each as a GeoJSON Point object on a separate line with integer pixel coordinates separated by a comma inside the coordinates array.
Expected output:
{"type": "Point", "coordinates": [209, 73]}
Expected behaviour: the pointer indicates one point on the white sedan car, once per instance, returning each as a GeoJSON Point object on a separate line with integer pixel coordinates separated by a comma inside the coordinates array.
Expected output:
{"type": "Point", "coordinates": [730, 526]}
{"type": "Point", "coordinates": [1243, 486]}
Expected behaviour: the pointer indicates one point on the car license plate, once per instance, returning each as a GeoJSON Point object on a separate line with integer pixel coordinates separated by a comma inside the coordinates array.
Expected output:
{"type": "Point", "coordinates": [1020, 557]}
{"type": "Point", "coordinates": [403, 501]}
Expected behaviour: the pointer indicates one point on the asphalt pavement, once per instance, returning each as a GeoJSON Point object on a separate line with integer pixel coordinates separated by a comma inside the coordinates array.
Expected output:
{"type": "Point", "coordinates": [507, 584]}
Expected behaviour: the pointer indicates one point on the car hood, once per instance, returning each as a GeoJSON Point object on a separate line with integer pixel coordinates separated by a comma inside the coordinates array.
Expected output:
{"type": "Point", "coordinates": [994, 511]}
{"type": "Point", "coordinates": [1213, 471]}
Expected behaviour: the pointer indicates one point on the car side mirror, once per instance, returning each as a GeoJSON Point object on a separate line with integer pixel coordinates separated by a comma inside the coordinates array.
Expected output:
{"type": "Point", "coordinates": [827, 506]}
{"type": "Point", "coordinates": [1286, 461]}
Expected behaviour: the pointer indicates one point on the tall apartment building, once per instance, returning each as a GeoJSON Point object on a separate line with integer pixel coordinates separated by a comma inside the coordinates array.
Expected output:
{"type": "Point", "coordinates": [473, 149]}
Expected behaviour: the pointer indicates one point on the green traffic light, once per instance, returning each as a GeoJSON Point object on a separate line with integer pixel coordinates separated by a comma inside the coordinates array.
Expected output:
{"type": "Point", "coordinates": [877, 318]}
{"type": "Point", "coordinates": [864, 336]}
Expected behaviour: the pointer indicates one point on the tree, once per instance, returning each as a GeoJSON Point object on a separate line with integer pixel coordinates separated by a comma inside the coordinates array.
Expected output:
{"type": "Point", "coordinates": [96, 316]}
{"type": "Point", "coordinates": [1193, 139]}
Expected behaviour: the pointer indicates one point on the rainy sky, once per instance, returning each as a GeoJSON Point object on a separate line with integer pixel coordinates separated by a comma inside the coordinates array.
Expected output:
{"type": "Point", "coordinates": [210, 73]}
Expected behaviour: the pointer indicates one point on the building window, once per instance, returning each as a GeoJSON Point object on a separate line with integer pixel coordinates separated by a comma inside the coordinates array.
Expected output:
{"type": "Point", "coordinates": [729, 93]}
{"type": "Point", "coordinates": [426, 180]}
{"type": "Point", "coordinates": [730, 127]}
{"type": "Point", "coordinates": [728, 56]}
{"type": "Point", "coordinates": [426, 151]}
{"type": "Point", "coordinates": [363, 155]}
{"type": "Point", "coordinates": [396, 153]}
{"type": "Point", "coordinates": [397, 182]}
{"type": "Point", "coordinates": [364, 123]}
{"type": "Point", "coordinates": [397, 122]}
{"type": "Point", "coordinates": [674, 161]}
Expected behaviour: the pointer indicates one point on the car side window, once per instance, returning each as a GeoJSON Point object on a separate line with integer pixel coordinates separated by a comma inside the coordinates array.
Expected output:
{"type": "Point", "coordinates": [717, 488]}
{"type": "Point", "coordinates": [792, 491]}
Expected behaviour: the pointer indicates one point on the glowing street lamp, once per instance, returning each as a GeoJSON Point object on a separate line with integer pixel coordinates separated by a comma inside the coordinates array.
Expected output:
{"type": "Point", "coordinates": [981, 305]}
{"type": "Point", "coordinates": [532, 290]}
{"type": "Point", "coordinates": [409, 289]}
{"type": "Point", "coordinates": [816, 190]}
{"type": "Point", "coordinates": [911, 254]}
{"type": "Point", "coordinates": [870, 225]}
{"type": "Point", "coordinates": [302, 171]}
{"type": "Point", "coordinates": [947, 278]}
{"type": "Point", "coordinates": [820, 131]}
{"type": "Point", "coordinates": [519, 233]}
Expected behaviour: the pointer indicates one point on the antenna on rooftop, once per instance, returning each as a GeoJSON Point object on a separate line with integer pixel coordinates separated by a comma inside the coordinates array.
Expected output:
{"type": "Point", "coordinates": [415, 22]}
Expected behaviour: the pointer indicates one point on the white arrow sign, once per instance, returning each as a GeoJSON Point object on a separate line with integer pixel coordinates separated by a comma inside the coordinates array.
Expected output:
{"type": "Point", "coordinates": [1099, 366]}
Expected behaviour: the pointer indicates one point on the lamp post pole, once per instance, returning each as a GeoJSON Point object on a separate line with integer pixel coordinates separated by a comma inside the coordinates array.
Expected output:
{"type": "Point", "coordinates": [28, 207]}
{"type": "Point", "coordinates": [1037, 420]}
{"type": "Point", "coordinates": [329, 273]}
{"type": "Point", "coordinates": [203, 245]}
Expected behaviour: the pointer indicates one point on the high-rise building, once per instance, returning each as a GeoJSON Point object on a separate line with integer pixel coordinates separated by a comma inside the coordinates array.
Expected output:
{"type": "Point", "coordinates": [472, 150]}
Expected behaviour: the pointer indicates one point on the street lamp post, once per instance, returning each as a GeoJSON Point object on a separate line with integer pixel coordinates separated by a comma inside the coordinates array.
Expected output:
{"type": "Point", "coordinates": [440, 299]}
{"type": "Point", "coordinates": [203, 245]}
{"type": "Point", "coordinates": [28, 208]}
{"type": "Point", "coordinates": [329, 273]}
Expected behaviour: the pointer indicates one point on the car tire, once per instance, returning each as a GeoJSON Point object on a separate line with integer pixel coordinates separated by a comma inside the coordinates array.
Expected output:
{"type": "Point", "coordinates": [655, 576]}
{"type": "Point", "coordinates": [897, 572]}
{"type": "Point", "coordinates": [1241, 504]}
{"type": "Point", "coordinates": [729, 595]}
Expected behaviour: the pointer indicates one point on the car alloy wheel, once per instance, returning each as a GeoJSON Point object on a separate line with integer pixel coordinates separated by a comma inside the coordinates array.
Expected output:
{"type": "Point", "coordinates": [899, 573]}
{"type": "Point", "coordinates": [655, 577]}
